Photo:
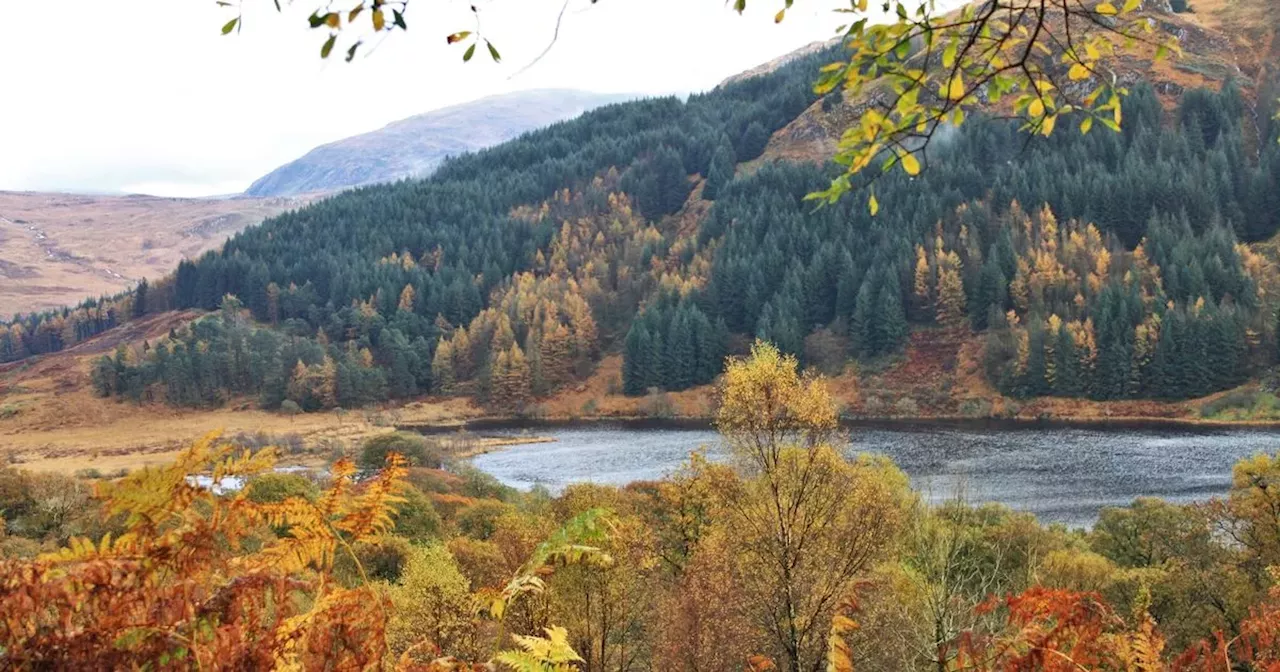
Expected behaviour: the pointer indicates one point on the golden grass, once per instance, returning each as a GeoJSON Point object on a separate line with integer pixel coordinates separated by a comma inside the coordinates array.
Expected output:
{"type": "Point", "coordinates": [57, 249]}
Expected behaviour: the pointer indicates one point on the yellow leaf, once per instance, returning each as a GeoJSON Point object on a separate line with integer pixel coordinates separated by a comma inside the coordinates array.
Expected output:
{"type": "Point", "coordinates": [874, 205]}
{"type": "Point", "coordinates": [1078, 72]}
{"type": "Point", "coordinates": [1036, 108]}
{"type": "Point", "coordinates": [955, 88]}
{"type": "Point", "coordinates": [782, 14]}
{"type": "Point", "coordinates": [1106, 9]}
{"type": "Point", "coordinates": [910, 164]}
{"type": "Point", "coordinates": [1086, 125]}
{"type": "Point", "coordinates": [1046, 128]}
{"type": "Point", "coordinates": [379, 21]}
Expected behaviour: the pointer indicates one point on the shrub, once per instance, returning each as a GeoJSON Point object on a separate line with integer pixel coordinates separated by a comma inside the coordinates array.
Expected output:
{"type": "Point", "coordinates": [975, 408]}
{"type": "Point", "coordinates": [480, 520]}
{"type": "Point", "coordinates": [383, 559]}
{"type": "Point", "coordinates": [906, 407]}
{"type": "Point", "coordinates": [657, 405]}
{"type": "Point", "coordinates": [275, 487]}
{"type": "Point", "coordinates": [416, 519]}
{"type": "Point", "coordinates": [1236, 400]}
{"type": "Point", "coordinates": [590, 407]}
{"type": "Point", "coordinates": [432, 604]}
{"type": "Point", "coordinates": [480, 485]}
{"type": "Point", "coordinates": [290, 408]}
{"type": "Point", "coordinates": [413, 447]}
{"type": "Point", "coordinates": [614, 385]}
{"type": "Point", "coordinates": [90, 474]}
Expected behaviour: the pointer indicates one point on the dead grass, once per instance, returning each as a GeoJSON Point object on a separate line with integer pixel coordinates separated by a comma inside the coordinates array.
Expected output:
{"type": "Point", "coordinates": [57, 249]}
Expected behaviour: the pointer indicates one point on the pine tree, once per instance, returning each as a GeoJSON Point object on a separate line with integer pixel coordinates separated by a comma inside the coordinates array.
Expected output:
{"type": "Point", "coordinates": [635, 359]}
{"type": "Point", "coordinates": [891, 318]}
{"type": "Point", "coordinates": [140, 299]}
{"type": "Point", "coordinates": [680, 356]}
{"type": "Point", "coordinates": [862, 341]}
{"type": "Point", "coordinates": [720, 171]}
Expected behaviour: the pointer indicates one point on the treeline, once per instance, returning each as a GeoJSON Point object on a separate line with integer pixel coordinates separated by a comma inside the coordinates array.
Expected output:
{"type": "Point", "coordinates": [51, 331]}
{"type": "Point", "coordinates": [214, 358]}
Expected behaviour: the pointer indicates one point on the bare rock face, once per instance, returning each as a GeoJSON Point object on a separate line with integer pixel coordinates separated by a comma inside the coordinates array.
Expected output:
{"type": "Point", "coordinates": [416, 146]}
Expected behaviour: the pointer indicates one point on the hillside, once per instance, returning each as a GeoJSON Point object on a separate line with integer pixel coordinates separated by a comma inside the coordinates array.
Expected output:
{"type": "Point", "coordinates": [56, 249]}
{"type": "Point", "coordinates": [1222, 39]}
{"type": "Point", "coordinates": [415, 146]}
{"type": "Point", "coordinates": [606, 265]}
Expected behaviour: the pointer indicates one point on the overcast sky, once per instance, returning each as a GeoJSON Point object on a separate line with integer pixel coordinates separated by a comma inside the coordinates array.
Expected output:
{"type": "Point", "coordinates": [145, 96]}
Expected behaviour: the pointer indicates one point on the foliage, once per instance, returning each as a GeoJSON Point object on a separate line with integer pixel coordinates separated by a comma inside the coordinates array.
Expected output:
{"type": "Point", "coordinates": [414, 448]}
{"type": "Point", "coordinates": [274, 488]}
{"type": "Point", "coordinates": [175, 586]}
{"type": "Point", "coordinates": [935, 65]}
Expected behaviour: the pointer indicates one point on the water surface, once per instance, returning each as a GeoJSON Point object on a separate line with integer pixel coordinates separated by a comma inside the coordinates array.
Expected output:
{"type": "Point", "coordinates": [1060, 474]}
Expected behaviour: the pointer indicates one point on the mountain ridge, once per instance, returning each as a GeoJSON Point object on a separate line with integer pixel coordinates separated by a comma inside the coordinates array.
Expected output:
{"type": "Point", "coordinates": [415, 146]}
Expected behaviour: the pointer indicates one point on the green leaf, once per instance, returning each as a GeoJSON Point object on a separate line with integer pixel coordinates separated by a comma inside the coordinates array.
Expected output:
{"type": "Point", "coordinates": [493, 53]}
{"type": "Point", "coordinates": [398, 20]}
{"type": "Point", "coordinates": [328, 46]}
{"type": "Point", "coordinates": [471, 51]}
{"type": "Point", "coordinates": [230, 25]}
{"type": "Point", "coordinates": [351, 53]}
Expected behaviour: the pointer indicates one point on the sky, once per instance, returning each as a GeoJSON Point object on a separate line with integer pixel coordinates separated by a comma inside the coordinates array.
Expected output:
{"type": "Point", "coordinates": [146, 96]}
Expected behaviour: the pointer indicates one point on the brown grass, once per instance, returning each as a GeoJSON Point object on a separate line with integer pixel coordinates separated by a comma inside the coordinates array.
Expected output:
{"type": "Point", "coordinates": [57, 249]}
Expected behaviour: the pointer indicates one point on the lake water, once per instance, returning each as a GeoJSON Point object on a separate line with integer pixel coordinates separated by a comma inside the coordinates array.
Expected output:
{"type": "Point", "coordinates": [1060, 474]}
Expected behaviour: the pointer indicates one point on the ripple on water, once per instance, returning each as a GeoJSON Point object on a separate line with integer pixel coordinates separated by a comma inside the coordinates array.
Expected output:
{"type": "Point", "coordinates": [1061, 475]}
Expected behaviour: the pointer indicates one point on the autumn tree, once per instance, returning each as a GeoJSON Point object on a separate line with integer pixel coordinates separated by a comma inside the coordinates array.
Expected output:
{"type": "Point", "coordinates": [806, 521]}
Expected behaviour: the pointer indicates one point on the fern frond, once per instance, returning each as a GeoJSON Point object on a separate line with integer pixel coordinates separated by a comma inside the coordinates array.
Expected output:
{"type": "Point", "coordinates": [541, 654]}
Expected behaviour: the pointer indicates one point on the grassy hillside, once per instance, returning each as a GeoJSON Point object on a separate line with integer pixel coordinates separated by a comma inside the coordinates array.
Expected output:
{"type": "Point", "coordinates": [56, 249]}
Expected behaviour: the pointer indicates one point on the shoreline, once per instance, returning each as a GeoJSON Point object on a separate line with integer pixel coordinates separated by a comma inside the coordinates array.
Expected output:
{"type": "Point", "coordinates": [1117, 423]}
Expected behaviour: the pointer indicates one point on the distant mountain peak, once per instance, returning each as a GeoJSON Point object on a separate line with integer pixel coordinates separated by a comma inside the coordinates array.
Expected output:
{"type": "Point", "coordinates": [417, 145]}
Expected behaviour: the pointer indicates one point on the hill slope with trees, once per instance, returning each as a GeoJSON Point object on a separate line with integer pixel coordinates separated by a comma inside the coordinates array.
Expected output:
{"type": "Point", "coordinates": [1103, 265]}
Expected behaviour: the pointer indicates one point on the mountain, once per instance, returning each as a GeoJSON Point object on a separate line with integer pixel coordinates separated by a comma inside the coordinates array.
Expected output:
{"type": "Point", "coordinates": [415, 146]}
{"type": "Point", "coordinates": [630, 249]}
